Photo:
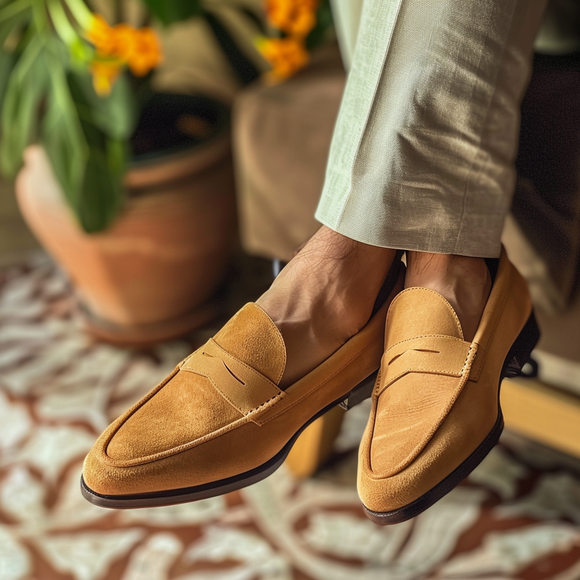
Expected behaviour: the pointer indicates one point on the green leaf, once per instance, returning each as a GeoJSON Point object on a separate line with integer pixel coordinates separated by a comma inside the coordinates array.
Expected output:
{"type": "Point", "coordinates": [256, 19]}
{"type": "Point", "coordinates": [12, 9]}
{"type": "Point", "coordinates": [64, 140]}
{"type": "Point", "coordinates": [114, 115]}
{"type": "Point", "coordinates": [89, 166]}
{"type": "Point", "coordinates": [88, 162]}
{"type": "Point", "coordinates": [324, 22]}
{"type": "Point", "coordinates": [84, 136]}
{"type": "Point", "coordinates": [7, 62]}
{"type": "Point", "coordinates": [170, 11]}
{"type": "Point", "coordinates": [14, 24]}
{"type": "Point", "coordinates": [102, 193]}
{"type": "Point", "coordinates": [80, 52]}
{"type": "Point", "coordinates": [117, 156]}
{"type": "Point", "coordinates": [245, 69]}
{"type": "Point", "coordinates": [25, 90]}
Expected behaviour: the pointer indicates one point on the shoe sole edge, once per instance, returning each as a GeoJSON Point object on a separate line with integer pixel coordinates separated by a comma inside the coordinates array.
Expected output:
{"type": "Point", "coordinates": [223, 486]}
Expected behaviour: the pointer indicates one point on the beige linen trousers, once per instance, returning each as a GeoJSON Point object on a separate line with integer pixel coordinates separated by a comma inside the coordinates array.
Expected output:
{"type": "Point", "coordinates": [423, 151]}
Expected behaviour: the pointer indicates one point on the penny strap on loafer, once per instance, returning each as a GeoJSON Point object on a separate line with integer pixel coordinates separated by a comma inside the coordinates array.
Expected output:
{"type": "Point", "coordinates": [242, 386]}
{"type": "Point", "coordinates": [435, 354]}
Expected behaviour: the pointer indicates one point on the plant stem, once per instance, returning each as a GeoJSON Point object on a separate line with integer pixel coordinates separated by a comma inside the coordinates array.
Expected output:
{"type": "Point", "coordinates": [29, 56]}
{"type": "Point", "coordinates": [40, 17]}
{"type": "Point", "coordinates": [61, 22]}
{"type": "Point", "coordinates": [118, 15]}
{"type": "Point", "coordinates": [80, 12]}
{"type": "Point", "coordinates": [14, 9]}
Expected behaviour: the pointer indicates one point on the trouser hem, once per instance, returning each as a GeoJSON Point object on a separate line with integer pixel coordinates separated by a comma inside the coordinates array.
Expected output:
{"type": "Point", "coordinates": [400, 241]}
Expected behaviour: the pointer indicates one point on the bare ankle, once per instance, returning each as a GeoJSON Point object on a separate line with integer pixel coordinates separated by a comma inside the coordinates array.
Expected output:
{"type": "Point", "coordinates": [324, 296]}
{"type": "Point", "coordinates": [464, 281]}
{"type": "Point", "coordinates": [424, 264]}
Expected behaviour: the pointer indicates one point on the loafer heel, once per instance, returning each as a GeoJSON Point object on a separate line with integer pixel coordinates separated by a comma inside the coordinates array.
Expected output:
{"type": "Point", "coordinates": [361, 392]}
{"type": "Point", "coordinates": [522, 348]}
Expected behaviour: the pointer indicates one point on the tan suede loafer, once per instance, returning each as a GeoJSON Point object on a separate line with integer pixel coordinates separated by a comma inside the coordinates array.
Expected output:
{"type": "Point", "coordinates": [435, 408]}
{"type": "Point", "coordinates": [219, 422]}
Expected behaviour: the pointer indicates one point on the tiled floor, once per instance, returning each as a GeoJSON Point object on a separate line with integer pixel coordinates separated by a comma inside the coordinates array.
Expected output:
{"type": "Point", "coordinates": [517, 516]}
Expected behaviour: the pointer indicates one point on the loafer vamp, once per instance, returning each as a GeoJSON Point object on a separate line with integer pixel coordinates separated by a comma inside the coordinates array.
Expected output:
{"type": "Point", "coordinates": [223, 411]}
{"type": "Point", "coordinates": [184, 409]}
{"type": "Point", "coordinates": [408, 415]}
{"type": "Point", "coordinates": [456, 439]}
{"type": "Point", "coordinates": [209, 397]}
{"type": "Point", "coordinates": [423, 370]}
{"type": "Point", "coordinates": [235, 451]}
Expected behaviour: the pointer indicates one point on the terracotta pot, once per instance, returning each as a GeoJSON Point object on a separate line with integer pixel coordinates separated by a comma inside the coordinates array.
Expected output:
{"type": "Point", "coordinates": [149, 276]}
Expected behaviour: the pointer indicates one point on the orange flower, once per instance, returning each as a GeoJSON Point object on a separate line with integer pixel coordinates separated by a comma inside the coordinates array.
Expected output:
{"type": "Point", "coordinates": [294, 17]}
{"type": "Point", "coordinates": [146, 52]}
{"type": "Point", "coordinates": [124, 42]}
{"type": "Point", "coordinates": [101, 35]}
{"type": "Point", "coordinates": [139, 49]}
{"type": "Point", "coordinates": [286, 55]}
{"type": "Point", "coordinates": [104, 76]}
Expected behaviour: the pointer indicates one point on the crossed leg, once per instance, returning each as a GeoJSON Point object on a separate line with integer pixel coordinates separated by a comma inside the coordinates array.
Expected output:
{"type": "Point", "coordinates": [422, 159]}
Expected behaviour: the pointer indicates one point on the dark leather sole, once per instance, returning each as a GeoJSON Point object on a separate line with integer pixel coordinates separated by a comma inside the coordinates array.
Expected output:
{"type": "Point", "coordinates": [183, 495]}
{"type": "Point", "coordinates": [515, 360]}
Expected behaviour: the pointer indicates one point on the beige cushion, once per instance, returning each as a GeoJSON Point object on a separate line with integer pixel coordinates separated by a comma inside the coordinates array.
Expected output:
{"type": "Point", "coordinates": [282, 136]}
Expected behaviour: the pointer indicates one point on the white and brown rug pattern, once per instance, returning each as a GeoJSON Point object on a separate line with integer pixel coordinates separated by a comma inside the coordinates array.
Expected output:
{"type": "Point", "coordinates": [517, 516]}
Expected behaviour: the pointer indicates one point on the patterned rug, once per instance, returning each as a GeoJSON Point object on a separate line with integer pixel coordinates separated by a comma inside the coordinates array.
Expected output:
{"type": "Point", "coordinates": [517, 516]}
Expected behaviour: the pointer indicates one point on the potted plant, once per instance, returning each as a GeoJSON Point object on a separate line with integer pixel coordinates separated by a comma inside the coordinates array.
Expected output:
{"type": "Point", "coordinates": [295, 29]}
{"type": "Point", "coordinates": [131, 192]}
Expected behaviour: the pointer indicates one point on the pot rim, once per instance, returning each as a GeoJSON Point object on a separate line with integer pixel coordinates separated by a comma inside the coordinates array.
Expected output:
{"type": "Point", "coordinates": [177, 166]}
{"type": "Point", "coordinates": [150, 169]}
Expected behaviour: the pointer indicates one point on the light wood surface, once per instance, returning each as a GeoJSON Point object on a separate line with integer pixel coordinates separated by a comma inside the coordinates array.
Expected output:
{"type": "Point", "coordinates": [543, 413]}
{"type": "Point", "coordinates": [314, 446]}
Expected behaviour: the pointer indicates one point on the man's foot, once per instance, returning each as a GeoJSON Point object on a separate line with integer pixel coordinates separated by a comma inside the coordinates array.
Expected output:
{"type": "Point", "coordinates": [435, 410]}
{"type": "Point", "coordinates": [464, 282]}
{"type": "Point", "coordinates": [222, 419]}
{"type": "Point", "coordinates": [323, 297]}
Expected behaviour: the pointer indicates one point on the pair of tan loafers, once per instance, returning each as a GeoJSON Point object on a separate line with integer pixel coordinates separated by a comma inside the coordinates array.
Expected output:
{"type": "Point", "coordinates": [220, 422]}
